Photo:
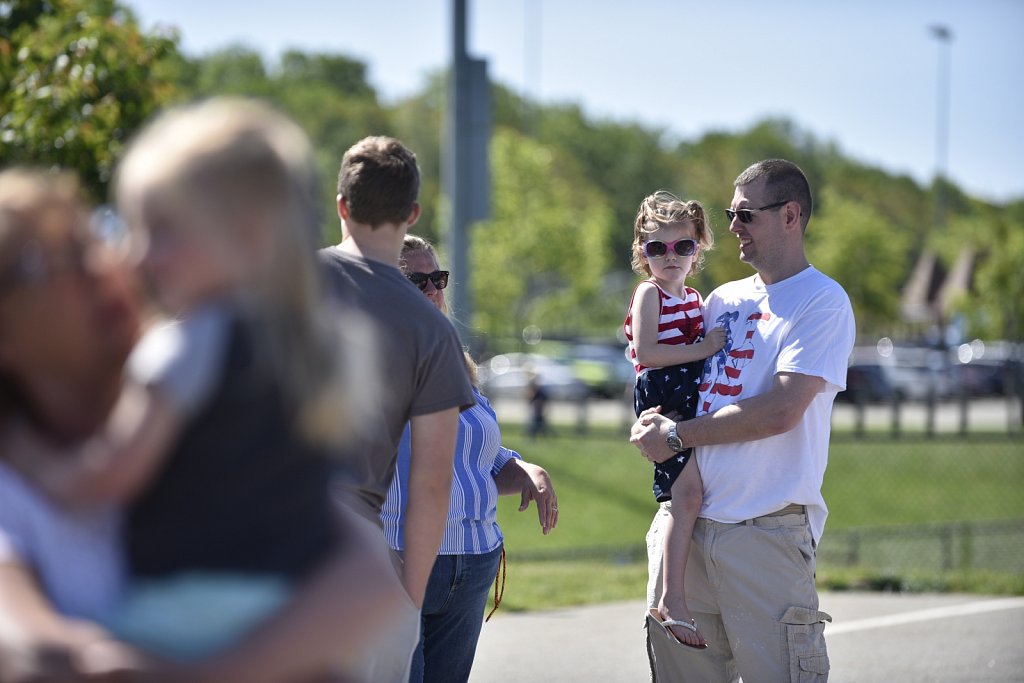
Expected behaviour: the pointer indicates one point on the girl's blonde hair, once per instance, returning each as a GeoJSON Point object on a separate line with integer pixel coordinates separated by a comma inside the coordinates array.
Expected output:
{"type": "Point", "coordinates": [229, 158]}
{"type": "Point", "coordinates": [664, 208]}
{"type": "Point", "coordinates": [415, 244]}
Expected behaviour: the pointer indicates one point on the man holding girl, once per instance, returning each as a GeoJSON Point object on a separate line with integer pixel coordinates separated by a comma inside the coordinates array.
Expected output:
{"type": "Point", "coordinates": [761, 440]}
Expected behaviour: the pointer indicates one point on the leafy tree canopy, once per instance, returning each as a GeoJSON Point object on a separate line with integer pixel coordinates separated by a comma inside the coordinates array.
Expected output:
{"type": "Point", "coordinates": [77, 77]}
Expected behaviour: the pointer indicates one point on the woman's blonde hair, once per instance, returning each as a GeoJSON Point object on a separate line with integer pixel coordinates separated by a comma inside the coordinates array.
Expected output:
{"type": "Point", "coordinates": [415, 244]}
{"type": "Point", "coordinates": [229, 158]}
{"type": "Point", "coordinates": [664, 208]}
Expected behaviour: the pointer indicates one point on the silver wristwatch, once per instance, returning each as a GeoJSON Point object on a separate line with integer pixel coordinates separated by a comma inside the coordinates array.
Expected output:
{"type": "Point", "coordinates": [673, 440]}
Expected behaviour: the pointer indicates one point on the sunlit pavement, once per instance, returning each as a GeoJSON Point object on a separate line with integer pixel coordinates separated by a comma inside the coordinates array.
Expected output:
{"type": "Point", "coordinates": [874, 637]}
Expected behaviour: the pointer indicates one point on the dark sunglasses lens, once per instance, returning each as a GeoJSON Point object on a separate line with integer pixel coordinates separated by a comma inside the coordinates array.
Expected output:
{"type": "Point", "coordinates": [744, 215]}
{"type": "Point", "coordinates": [654, 248]}
{"type": "Point", "coordinates": [439, 278]}
{"type": "Point", "coordinates": [685, 247]}
{"type": "Point", "coordinates": [418, 279]}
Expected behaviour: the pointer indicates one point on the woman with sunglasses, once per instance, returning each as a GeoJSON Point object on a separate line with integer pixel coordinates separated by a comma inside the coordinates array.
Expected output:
{"type": "Point", "coordinates": [472, 548]}
{"type": "Point", "coordinates": [667, 344]}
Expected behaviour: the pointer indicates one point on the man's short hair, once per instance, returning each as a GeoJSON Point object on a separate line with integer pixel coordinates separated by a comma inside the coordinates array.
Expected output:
{"type": "Point", "coordinates": [784, 181]}
{"type": "Point", "coordinates": [379, 180]}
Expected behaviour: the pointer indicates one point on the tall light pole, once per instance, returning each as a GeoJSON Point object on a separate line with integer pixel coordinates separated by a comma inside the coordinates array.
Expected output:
{"type": "Point", "coordinates": [945, 38]}
{"type": "Point", "coordinates": [465, 168]}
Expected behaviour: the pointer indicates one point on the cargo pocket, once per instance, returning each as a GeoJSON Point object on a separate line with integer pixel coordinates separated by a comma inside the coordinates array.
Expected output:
{"type": "Point", "coordinates": [805, 636]}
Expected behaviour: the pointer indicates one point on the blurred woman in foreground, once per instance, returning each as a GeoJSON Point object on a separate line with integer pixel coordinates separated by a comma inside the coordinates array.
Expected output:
{"type": "Point", "coordinates": [216, 170]}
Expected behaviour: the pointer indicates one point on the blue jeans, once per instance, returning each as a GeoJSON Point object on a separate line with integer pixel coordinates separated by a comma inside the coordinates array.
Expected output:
{"type": "Point", "coordinates": [453, 613]}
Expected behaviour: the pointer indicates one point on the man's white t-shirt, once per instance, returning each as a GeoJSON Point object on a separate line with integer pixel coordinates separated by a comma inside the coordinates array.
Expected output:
{"type": "Point", "coordinates": [803, 325]}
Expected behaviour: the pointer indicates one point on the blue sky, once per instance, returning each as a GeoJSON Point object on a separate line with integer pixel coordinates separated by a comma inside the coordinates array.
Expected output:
{"type": "Point", "coordinates": [862, 74]}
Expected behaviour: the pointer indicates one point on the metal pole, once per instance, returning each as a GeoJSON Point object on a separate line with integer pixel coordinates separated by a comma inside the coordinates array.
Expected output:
{"type": "Point", "coordinates": [456, 184]}
{"type": "Point", "coordinates": [945, 38]}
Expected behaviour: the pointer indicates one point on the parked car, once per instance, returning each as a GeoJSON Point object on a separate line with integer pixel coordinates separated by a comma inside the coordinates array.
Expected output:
{"type": "Point", "coordinates": [508, 376]}
{"type": "Point", "coordinates": [918, 382]}
{"type": "Point", "coordinates": [866, 383]}
{"type": "Point", "coordinates": [982, 378]}
{"type": "Point", "coordinates": [604, 368]}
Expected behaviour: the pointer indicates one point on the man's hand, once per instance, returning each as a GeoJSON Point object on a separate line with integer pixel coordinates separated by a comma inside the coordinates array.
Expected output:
{"type": "Point", "coordinates": [649, 434]}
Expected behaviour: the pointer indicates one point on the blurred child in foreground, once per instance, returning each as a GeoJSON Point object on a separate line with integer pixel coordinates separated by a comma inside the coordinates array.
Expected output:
{"type": "Point", "coordinates": [221, 444]}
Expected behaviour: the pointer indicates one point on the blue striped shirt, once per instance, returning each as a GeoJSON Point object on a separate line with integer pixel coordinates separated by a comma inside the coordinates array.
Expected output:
{"type": "Point", "coordinates": [472, 526]}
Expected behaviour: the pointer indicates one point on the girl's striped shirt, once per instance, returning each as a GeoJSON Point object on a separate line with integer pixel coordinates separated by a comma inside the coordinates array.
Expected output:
{"type": "Point", "coordinates": [681, 321]}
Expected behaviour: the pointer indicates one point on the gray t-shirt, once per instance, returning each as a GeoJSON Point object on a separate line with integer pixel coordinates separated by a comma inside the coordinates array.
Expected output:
{"type": "Point", "coordinates": [422, 371]}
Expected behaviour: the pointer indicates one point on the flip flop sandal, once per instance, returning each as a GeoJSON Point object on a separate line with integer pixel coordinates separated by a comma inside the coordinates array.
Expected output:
{"type": "Point", "coordinates": [692, 625]}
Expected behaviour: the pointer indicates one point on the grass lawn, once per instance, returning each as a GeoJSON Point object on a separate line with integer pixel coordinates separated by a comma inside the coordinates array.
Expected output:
{"type": "Point", "coordinates": [606, 505]}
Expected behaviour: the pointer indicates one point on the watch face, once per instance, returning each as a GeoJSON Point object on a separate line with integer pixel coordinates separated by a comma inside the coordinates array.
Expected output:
{"type": "Point", "coordinates": [675, 443]}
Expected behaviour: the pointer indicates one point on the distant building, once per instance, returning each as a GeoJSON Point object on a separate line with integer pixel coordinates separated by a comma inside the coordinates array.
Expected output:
{"type": "Point", "coordinates": [929, 294]}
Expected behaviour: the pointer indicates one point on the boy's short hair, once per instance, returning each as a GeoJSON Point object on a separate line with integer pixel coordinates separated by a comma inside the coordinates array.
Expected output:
{"type": "Point", "coordinates": [379, 180]}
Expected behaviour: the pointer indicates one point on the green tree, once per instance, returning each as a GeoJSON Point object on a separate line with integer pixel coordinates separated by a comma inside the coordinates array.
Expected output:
{"type": "Point", "coordinates": [233, 70]}
{"type": "Point", "coordinates": [327, 94]}
{"type": "Point", "coordinates": [417, 122]}
{"type": "Point", "coordinates": [853, 244]}
{"type": "Point", "coordinates": [77, 77]}
{"type": "Point", "coordinates": [994, 306]}
{"type": "Point", "coordinates": [625, 161]}
{"type": "Point", "coordinates": [338, 72]}
{"type": "Point", "coordinates": [542, 257]}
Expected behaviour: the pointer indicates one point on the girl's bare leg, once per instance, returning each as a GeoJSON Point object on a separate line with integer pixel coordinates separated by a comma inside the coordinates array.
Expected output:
{"type": "Point", "coordinates": [687, 496]}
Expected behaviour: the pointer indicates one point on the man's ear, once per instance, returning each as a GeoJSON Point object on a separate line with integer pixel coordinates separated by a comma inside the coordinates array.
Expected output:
{"type": "Point", "coordinates": [793, 214]}
{"type": "Point", "coordinates": [414, 215]}
{"type": "Point", "coordinates": [342, 208]}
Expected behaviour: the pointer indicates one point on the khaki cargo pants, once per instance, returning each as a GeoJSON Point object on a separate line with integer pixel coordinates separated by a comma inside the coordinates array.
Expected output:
{"type": "Point", "coordinates": [750, 587]}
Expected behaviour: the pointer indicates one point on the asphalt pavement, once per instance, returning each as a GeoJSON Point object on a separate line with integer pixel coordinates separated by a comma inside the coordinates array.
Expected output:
{"type": "Point", "coordinates": [873, 637]}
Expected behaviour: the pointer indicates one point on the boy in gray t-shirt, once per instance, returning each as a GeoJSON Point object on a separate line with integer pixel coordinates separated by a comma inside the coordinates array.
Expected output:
{"type": "Point", "coordinates": [422, 366]}
{"type": "Point", "coordinates": [423, 378]}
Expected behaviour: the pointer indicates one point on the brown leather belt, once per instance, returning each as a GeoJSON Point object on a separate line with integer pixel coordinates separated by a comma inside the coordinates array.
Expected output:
{"type": "Point", "coordinates": [791, 509]}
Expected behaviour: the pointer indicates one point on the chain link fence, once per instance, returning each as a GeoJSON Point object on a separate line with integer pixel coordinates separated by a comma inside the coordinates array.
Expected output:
{"type": "Point", "coordinates": [915, 486]}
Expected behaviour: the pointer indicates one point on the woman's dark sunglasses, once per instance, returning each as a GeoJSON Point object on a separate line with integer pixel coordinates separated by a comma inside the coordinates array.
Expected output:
{"type": "Point", "coordinates": [438, 277]}
{"type": "Point", "coordinates": [657, 248]}
{"type": "Point", "coordinates": [747, 215]}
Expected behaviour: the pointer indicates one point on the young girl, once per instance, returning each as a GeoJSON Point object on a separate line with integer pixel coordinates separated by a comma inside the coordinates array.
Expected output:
{"type": "Point", "coordinates": [667, 343]}
{"type": "Point", "coordinates": [221, 439]}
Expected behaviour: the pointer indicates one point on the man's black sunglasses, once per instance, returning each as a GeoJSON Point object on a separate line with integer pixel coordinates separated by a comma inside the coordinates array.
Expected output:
{"type": "Point", "coordinates": [747, 215]}
{"type": "Point", "coordinates": [438, 277]}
